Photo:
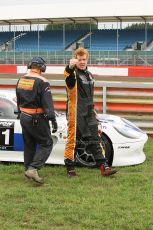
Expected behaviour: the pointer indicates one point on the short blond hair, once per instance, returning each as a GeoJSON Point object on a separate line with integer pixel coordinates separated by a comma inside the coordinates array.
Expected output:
{"type": "Point", "coordinates": [81, 51]}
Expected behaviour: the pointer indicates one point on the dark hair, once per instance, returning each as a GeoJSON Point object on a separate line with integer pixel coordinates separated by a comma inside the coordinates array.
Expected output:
{"type": "Point", "coordinates": [37, 62]}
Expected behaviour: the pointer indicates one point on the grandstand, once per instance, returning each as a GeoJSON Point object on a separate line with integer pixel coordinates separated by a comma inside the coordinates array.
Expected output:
{"type": "Point", "coordinates": [107, 39]}
{"type": "Point", "coordinates": [48, 40]}
{"type": "Point", "coordinates": [107, 47]}
{"type": "Point", "coordinates": [96, 40]}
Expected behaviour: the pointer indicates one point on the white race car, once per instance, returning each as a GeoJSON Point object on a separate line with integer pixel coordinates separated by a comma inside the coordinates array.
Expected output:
{"type": "Point", "coordinates": [122, 141]}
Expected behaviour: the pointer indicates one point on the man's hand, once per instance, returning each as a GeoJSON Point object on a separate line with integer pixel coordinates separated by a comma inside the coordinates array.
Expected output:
{"type": "Point", "coordinates": [54, 126]}
{"type": "Point", "coordinates": [18, 113]}
{"type": "Point", "coordinates": [73, 62]}
{"type": "Point", "coordinates": [18, 116]}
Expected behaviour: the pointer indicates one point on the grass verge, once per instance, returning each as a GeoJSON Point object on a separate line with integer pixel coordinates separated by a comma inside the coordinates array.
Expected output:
{"type": "Point", "coordinates": [122, 202]}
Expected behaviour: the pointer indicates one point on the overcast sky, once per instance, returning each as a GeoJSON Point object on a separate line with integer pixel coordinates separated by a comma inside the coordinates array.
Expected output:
{"type": "Point", "coordinates": [27, 2]}
{"type": "Point", "coordinates": [32, 2]}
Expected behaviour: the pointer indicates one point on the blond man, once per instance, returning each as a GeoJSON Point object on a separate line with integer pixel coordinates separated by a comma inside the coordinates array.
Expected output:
{"type": "Point", "coordinates": [82, 122]}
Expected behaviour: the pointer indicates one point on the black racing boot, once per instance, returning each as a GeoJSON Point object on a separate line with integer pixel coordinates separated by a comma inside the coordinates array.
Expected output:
{"type": "Point", "coordinates": [70, 171]}
{"type": "Point", "coordinates": [70, 168]}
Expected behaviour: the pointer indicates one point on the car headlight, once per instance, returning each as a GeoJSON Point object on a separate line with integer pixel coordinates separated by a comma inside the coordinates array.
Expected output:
{"type": "Point", "coordinates": [127, 129]}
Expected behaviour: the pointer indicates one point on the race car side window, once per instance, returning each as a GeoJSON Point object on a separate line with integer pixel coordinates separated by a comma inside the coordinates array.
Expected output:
{"type": "Point", "coordinates": [6, 109]}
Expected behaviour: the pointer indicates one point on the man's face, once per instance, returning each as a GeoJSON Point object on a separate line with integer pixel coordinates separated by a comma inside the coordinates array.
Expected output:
{"type": "Point", "coordinates": [82, 62]}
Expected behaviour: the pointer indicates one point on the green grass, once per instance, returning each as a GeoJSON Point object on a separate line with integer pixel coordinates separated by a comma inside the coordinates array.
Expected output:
{"type": "Point", "coordinates": [89, 201]}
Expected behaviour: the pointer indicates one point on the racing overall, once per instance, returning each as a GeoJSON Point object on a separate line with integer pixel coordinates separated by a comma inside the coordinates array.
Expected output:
{"type": "Point", "coordinates": [35, 103]}
{"type": "Point", "coordinates": [82, 123]}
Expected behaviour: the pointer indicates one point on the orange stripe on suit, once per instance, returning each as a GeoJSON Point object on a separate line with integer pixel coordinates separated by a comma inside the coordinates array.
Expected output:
{"type": "Point", "coordinates": [72, 114]}
{"type": "Point", "coordinates": [32, 111]}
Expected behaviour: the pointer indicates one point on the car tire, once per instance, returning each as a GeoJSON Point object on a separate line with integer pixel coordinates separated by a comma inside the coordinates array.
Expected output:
{"type": "Point", "coordinates": [86, 158]}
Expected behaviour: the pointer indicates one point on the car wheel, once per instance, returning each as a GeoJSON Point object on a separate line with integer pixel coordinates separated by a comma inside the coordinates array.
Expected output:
{"type": "Point", "coordinates": [84, 157]}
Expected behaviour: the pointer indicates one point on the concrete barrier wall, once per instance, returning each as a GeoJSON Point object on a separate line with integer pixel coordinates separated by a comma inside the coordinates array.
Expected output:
{"type": "Point", "coordinates": [129, 71]}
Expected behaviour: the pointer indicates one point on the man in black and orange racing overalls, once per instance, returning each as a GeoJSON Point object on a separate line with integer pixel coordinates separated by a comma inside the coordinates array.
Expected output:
{"type": "Point", "coordinates": [82, 122]}
{"type": "Point", "coordinates": [34, 101]}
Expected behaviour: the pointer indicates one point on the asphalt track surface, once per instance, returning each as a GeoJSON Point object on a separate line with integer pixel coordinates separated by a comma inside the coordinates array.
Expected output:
{"type": "Point", "coordinates": [98, 78]}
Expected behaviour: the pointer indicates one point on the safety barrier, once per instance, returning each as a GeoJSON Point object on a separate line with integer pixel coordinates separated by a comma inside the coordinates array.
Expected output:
{"type": "Point", "coordinates": [128, 99]}
{"type": "Point", "coordinates": [99, 70]}
{"type": "Point", "coordinates": [97, 57]}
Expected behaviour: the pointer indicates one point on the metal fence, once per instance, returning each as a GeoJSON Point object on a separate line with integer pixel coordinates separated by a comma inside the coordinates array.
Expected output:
{"type": "Point", "coordinates": [129, 58]}
{"type": "Point", "coordinates": [142, 118]}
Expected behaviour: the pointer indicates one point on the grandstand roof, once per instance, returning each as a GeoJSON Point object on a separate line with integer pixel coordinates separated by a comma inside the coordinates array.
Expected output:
{"type": "Point", "coordinates": [58, 11]}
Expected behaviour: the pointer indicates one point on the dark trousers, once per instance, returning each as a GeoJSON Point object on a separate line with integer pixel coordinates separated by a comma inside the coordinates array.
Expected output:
{"type": "Point", "coordinates": [37, 141]}
{"type": "Point", "coordinates": [87, 132]}
{"type": "Point", "coordinates": [91, 138]}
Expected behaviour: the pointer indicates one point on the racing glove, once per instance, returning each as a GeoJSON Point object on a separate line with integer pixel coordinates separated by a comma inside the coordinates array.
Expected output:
{"type": "Point", "coordinates": [18, 113]}
{"type": "Point", "coordinates": [54, 126]}
{"type": "Point", "coordinates": [18, 116]}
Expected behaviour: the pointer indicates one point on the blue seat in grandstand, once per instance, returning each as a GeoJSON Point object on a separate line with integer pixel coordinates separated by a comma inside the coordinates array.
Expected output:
{"type": "Point", "coordinates": [5, 37]}
{"type": "Point", "coordinates": [48, 40]}
{"type": "Point", "coordinates": [107, 39]}
{"type": "Point", "coordinates": [55, 40]}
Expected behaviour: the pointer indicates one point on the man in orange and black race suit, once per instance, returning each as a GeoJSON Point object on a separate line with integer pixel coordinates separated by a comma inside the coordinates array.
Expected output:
{"type": "Point", "coordinates": [35, 105]}
{"type": "Point", "coordinates": [82, 122]}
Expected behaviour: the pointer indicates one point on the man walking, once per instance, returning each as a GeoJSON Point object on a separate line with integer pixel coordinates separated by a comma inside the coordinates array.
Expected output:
{"type": "Point", "coordinates": [35, 105]}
